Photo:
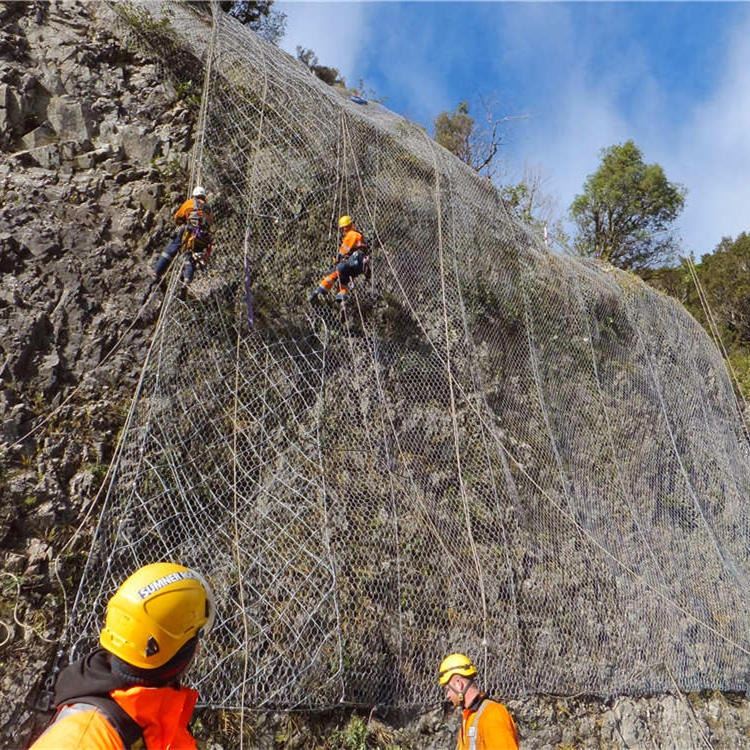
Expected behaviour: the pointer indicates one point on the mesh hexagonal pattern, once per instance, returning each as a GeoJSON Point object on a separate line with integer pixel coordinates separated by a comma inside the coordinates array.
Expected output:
{"type": "Point", "coordinates": [530, 458]}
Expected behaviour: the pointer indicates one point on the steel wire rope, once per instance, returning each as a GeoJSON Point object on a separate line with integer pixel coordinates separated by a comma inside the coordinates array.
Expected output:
{"type": "Point", "coordinates": [235, 493]}
{"type": "Point", "coordinates": [658, 569]}
{"type": "Point", "coordinates": [437, 535]}
{"type": "Point", "coordinates": [386, 446]}
{"type": "Point", "coordinates": [197, 160]}
{"type": "Point", "coordinates": [324, 501]}
{"type": "Point", "coordinates": [346, 145]}
{"type": "Point", "coordinates": [534, 363]}
{"type": "Point", "coordinates": [108, 482]}
{"type": "Point", "coordinates": [480, 391]}
{"type": "Point", "coordinates": [454, 416]}
{"type": "Point", "coordinates": [589, 339]}
{"type": "Point", "coordinates": [715, 333]}
{"type": "Point", "coordinates": [330, 555]}
{"type": "Point", "coordinates": [728, 565]}
{"type": "Point", "coordinates": [522, 469]}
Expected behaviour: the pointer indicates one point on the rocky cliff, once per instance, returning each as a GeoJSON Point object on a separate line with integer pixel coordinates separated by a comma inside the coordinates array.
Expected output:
{"type": "Point", "coordinates": [93, 147]}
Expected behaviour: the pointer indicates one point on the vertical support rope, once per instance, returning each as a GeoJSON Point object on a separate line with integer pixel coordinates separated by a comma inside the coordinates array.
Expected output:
{"type": "Point", "coordinates": [454, 415]}
{"type": "Point", "coordinates": [196, 164]}
{"type": "Point", "coordinates": [236, 529]}
{"type": "Point", "coordinates": [738, 393]}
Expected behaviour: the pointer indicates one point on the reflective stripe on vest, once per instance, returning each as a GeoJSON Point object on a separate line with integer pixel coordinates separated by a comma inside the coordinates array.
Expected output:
{"type": "Point", "coordinates": [474, 728]}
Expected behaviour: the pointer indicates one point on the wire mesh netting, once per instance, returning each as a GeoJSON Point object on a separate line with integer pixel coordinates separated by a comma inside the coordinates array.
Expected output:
{"type": "Point", "coordinates": [533, 459]}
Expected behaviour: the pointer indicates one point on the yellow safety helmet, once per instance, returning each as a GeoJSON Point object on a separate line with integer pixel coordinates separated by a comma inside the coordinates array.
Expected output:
{"type": "Point", "coordinates": [345, 221]}
{"type": "Point", "coordinates": [155, 612]}
{"type": "Point", "coordinates": [455, 664]}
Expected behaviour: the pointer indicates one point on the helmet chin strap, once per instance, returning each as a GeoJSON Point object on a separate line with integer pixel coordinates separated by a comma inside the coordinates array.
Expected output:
{"type": "Point", "coordinates": [462, 694]}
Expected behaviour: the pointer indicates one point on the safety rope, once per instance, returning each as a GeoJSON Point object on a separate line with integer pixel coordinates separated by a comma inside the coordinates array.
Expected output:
{"type": "Point", "coordinates": [108, 483]}
{"type": "Point", "coordinates": [196, 164]}
{"type": "Point", "coordinates": [737, 391]}
{"type": "Point", "coordinates": [16, 618]}
{"type": "Point", "coordinates": [452, 395]}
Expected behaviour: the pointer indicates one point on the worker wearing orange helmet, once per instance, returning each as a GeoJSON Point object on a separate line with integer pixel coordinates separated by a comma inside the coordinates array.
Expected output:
{"type": "Point", "coordinates": [485, 724]}
{"type": "Point", "coordinates": [351, 261]}
{"type": "Point", "coordinates": [128, 692]}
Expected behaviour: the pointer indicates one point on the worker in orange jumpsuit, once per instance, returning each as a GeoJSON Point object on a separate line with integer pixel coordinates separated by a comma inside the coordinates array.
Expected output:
{"type": "Point", "coordinates": [194, 219]}
{"type": "Point", "coordinates": [128, 692]}
{"type": "Point", "coordinates": [485, 724]}
{"type": "Point", "coordinates": [351, 261]}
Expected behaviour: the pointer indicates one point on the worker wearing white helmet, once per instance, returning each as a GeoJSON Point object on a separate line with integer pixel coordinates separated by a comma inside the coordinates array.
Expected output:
{"type": "Point", "coordinates": [194, 236]}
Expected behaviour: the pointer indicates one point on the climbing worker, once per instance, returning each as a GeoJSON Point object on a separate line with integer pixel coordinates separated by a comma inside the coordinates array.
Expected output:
{"type": "Point", "coordinates": [485, 724]}
{"type": "Point", "coordinates": [129, 690]}
{"type": "Point", "coordinates": [194, 238]}
{"type": "Point", "coordinates": [352, 260]}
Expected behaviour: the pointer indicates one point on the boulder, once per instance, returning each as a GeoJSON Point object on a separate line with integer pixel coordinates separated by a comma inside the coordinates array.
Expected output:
{"type": "Point", "coordinates": [41, 136]}
{"type": "Point", "coordinates": [10, 111]}
{"type": "Point", "coordinates": [70, 118]}
{"type": "Point", "coordinates": [149, 196]}
{"type": "Point", "coordinates": [140, 145]}
{"type": "Point", "coordinates": [47, 156]}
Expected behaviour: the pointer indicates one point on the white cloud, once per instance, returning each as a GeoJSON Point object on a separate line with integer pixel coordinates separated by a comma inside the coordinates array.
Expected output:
{"type": "Point", "coordinates": [337, 32]}
{"type": "Point", "coordinates": [712, 153]}
{"type": "Point", "coordinates": [707, 150]}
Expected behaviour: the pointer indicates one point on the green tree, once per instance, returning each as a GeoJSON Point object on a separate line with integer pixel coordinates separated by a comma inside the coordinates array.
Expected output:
{"type": "Point", "coordinates": [259, 15]}
{"type": "Point", "coordinates": [475, 144]}
{"type": "Point", "coordinates": [724, 278]}
{"type": "Point", "coordinates": [453, 131]}
{"type": "Point", "coordinates": [626, 211]}
{"type": "Point", "coordinates": [328, 75]}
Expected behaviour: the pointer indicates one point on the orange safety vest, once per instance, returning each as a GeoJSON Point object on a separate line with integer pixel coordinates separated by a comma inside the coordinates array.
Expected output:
{"type": "Point", "coordinates": [352, 240]}
{"type": "Point", "coordinates": [162, 713]}
{"type": "Point", "coordinates": [193, 204]}
{"type": "Point", "coordinates": [487, 727]}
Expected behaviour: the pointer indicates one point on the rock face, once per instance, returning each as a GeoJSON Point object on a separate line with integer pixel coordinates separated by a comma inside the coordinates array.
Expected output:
{"type": "Point", "coordinates": [93, 144]}
{"type": "Point", "coordinates": [93, 150]}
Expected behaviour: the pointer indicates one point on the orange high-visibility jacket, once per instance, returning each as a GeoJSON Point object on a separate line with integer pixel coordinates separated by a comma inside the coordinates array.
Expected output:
{"type": "Point", "coordinates": [163, 714]}
{"type": "Point", "coordinates": [488, 727]}
{"type": "Point", "coordinates": [351, 241]}
{"type": "Point", "coordinates": [192, 204]}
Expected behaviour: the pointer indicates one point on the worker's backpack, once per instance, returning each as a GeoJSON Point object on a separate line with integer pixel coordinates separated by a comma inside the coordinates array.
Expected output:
{"type": "Point", "coordinates": [197, 236]}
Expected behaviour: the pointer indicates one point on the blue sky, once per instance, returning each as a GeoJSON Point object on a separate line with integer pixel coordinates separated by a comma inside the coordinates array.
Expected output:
{"type": "Point", "coordinates": [674, 77]}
